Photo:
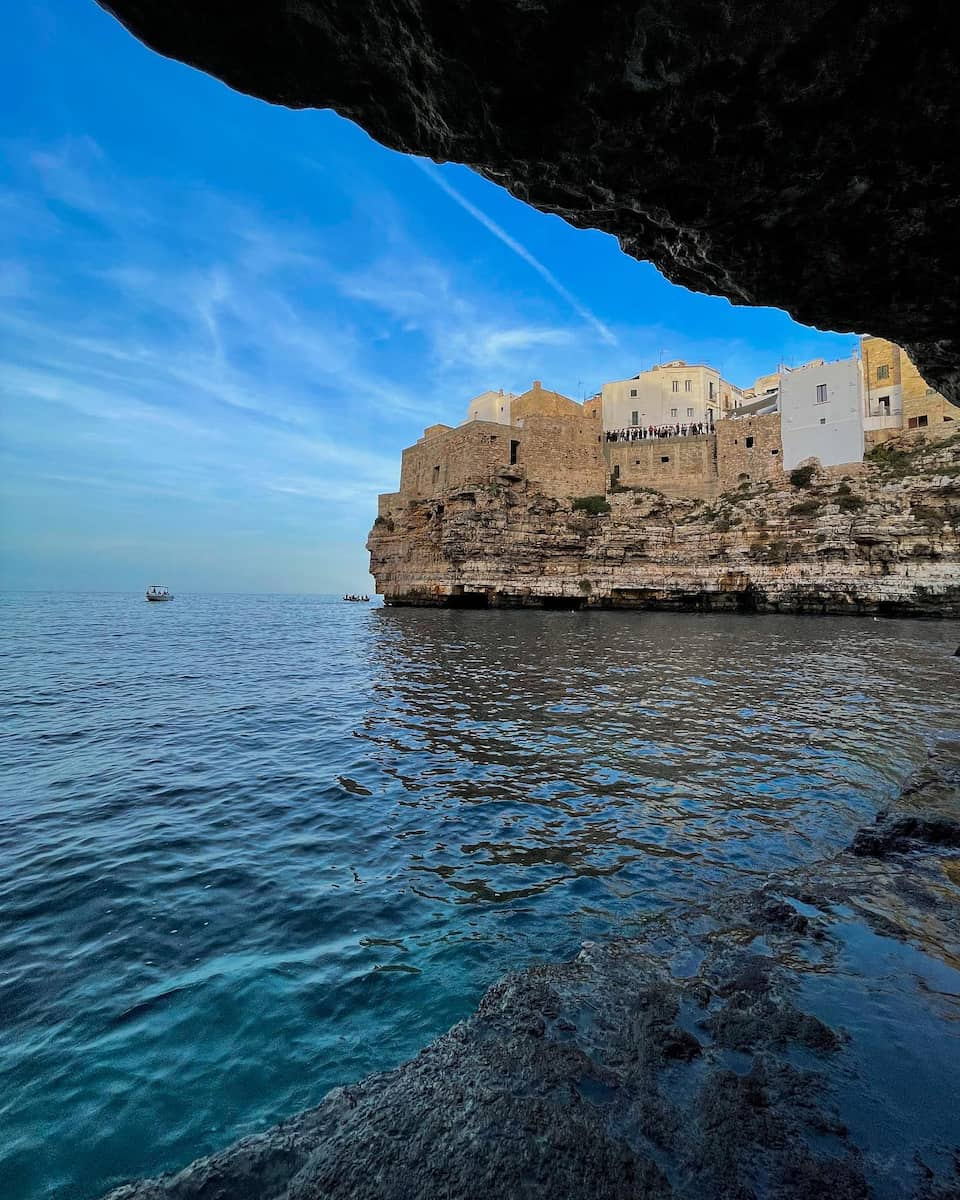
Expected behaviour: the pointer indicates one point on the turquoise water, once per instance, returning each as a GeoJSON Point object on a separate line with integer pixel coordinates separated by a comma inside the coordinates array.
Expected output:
{"type": "Point", "coordinates": [252, 847]}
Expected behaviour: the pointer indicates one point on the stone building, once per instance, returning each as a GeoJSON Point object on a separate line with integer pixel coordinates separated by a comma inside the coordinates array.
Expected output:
{"type": "Point", "coordinates": [551, 442]}
{"type": "Point", "coordinates": [896, 396]}
{"type": "Point", "coordinates": [669, 393]}
{"type": "Point", "coordinates": [823, 410]}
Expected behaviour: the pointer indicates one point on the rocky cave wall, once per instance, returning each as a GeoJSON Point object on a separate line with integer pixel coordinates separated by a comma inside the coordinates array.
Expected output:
{"type": "Point", "coordinates": [799, 154]}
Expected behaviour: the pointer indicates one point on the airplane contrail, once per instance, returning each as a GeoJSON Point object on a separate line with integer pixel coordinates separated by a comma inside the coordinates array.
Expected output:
{"type": "Point", "coordinates": [519, 249]}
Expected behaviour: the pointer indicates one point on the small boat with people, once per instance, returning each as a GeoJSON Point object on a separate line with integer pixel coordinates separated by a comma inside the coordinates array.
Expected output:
{"type": "Point", "coordinates": [157, 591]}
{"type": "Point", "coordinates": [358, 599]}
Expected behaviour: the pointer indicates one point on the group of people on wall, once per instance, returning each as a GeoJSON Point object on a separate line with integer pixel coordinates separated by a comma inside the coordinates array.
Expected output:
{"type": "Point", "coordinates": [634, 433]}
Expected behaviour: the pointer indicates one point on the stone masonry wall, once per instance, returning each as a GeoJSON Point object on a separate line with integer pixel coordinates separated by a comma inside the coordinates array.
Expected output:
{"type": "Point", "coordinates": [563, 456]}
{"type": "Point", "coordinates": [453, 458]}
{"type": "Point", "coordinates": [539, 401]}
{"type": "Point", "coordinates": [681, 466]}
{"type": "Point", "coordinates": [920, 400]}
{"type": "Point", "coordinates": [749, 448]}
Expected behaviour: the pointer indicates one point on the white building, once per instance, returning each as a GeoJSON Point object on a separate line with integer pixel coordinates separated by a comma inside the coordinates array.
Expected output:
{"type": "Point", "coordinates": [821, 413]}
{"type": "Point", "coordinates": [491, 406]}
{"type": "Point", "coordinates": [671, 393]}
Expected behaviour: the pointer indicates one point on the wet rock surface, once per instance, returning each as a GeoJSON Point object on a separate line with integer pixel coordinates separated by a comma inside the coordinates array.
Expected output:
{"type": "Point", "coordinates": [798, 1040]}
{"type": "Point", "coordinates": [773, 154]}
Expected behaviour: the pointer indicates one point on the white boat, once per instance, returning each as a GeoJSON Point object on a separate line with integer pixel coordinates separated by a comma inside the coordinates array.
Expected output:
{"type": "Point", "coordinates": [156, 591]}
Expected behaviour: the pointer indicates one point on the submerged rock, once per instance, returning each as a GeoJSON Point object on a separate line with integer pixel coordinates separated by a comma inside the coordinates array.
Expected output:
{"type": "Point", "coordinates": [627, 1073]}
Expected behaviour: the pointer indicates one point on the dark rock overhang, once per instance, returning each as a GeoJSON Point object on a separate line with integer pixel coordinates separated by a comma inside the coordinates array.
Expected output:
{"type": "Point", "coordinates": [800, 154]}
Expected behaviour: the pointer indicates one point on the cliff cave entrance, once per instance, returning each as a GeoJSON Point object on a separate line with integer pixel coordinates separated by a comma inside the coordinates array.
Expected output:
{"type": "Point", "coordinates": [458, 598]}
{"type": "Point", "coordinates": [562, 603]}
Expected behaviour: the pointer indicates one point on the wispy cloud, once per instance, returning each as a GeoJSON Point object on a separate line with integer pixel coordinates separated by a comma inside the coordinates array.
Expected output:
{"type": "Point", "coordinates": [605, 332]}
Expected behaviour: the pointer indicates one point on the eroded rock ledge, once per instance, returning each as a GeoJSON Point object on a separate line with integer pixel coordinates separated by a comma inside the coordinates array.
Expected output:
{"type": "Point", "coordinates": [799, 154]}
{"type": "Point", "coordinates": [773, 1043]}
{"type": "Point", "coordinates": [883, 539]}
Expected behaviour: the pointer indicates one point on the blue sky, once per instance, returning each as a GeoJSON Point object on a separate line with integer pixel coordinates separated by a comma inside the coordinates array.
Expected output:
{"type": "Point", "coordinates": [222, 321]}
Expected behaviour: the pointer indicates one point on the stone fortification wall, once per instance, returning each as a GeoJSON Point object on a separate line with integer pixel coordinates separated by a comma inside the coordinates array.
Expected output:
{"type": "Point", "coordinates": [559, 455]}
{"type": "Point", "coordinates": [563, 455]}
{"type": "Point", "coordinates": [883, 540]}
{"type": "Point", "coordinates": [681, 466]}
{"type": "Point", "coordinates": [447, 458]}
{"type": "Point", "coordinates": [749, 448]}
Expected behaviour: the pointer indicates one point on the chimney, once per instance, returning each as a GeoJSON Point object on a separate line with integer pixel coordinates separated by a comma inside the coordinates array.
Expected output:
{"type": "Point", "coordinates": [537, 385]}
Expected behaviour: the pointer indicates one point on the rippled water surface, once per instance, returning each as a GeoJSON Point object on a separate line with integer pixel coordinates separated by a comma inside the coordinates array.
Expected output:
{"type": "Point", "coordinates": [253, 847]}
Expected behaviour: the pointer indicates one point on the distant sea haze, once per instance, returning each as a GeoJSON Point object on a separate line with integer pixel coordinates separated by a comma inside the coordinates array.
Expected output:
{"type": "Point", "coordinates": [255, 846]}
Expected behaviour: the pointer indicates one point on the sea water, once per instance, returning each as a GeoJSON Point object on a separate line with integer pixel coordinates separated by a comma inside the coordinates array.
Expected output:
{"type": "Point", "coordinates": [252, 847]}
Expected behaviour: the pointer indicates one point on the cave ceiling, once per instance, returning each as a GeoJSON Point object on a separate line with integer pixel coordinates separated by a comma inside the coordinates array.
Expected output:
{"type": "Point", "coordinates": [801, 154]}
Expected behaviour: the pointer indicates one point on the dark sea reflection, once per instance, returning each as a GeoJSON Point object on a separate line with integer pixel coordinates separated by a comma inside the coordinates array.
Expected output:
{"type": "Point", "coordinates": [252, 847]}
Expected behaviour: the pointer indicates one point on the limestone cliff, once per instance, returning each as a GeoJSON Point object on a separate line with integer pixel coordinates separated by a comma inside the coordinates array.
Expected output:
{"type": "Point", "coordinates": [884, 539]}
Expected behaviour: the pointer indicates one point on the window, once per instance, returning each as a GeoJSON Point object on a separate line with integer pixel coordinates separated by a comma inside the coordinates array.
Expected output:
{"type": "Point", "coordinates": [616, 470]}
{"type": "Point", "coordinates": [883, 372]}
{"type": "Point", "coordinates": [749, 443]}
{"type": "Point", "coordinates": [921, 421]}
{"type": "Point", "coordinates": [689, 412]}
{"type": "Point", "coordinates": [774, 451]}
{"type": "Point", "coordinates": [514, 453]}
{"type": "Point", "coordinates": [823, 420]}
{"type": "Point", "coordinates": [821, 393]}
{"type": "Point", "coordinates": [664, 458]}
{"type": "Point", "coordinates": [711, 390]}
{"type": "Point", "coordinates": [688, 385]}
{"type": "Point", "coordinates": [635, 418]}
{"type": "Point", "coordinates": [912, 423]}
{"type": "Point", "coordinates": [884, 403]}
{"type": "Point", "coordinates": [673, 412]}
{"type": "Point", "coordinates": [633, 392]}
{"type": "Point", "coordinates": [436, 476]}
{"type": "Point", "coordinates": [676, 385]}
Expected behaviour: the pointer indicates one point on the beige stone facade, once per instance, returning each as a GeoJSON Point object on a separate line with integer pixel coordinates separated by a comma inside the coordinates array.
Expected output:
{"type": "Point", "coordinates": [674, 392]}
{"type": "Point", "coordinates": [682, 466]}
{"type": "Point", "coordinates": [896, 396]}
{"type": "Point", "coordinates": [749, 448]}
{"type": "Point", "coordinates": [541, 402]}
{"type": "Point", "coordinates": [553, 444]}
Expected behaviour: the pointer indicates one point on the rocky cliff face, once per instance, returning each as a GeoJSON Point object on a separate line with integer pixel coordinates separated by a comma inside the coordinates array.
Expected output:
{"type": "Point", "coordinates": [885, 540]}
{"type": "Point", "coordinates": [800, 154]}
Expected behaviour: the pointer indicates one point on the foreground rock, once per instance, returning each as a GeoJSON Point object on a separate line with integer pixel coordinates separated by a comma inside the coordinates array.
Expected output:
{"type": "Point", "coordinates": [884, 540]}
{"type": "Point", "coordinates": [798, 1041]}
{"type": "Point", "coordinates": [799, 154]}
